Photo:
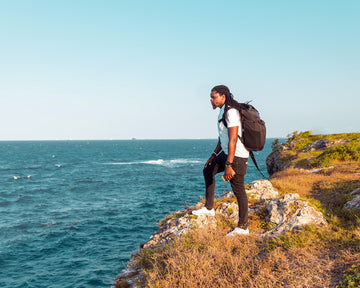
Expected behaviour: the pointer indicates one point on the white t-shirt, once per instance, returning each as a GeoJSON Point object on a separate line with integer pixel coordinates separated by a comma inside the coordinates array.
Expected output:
{"type": "Point", "coordinates": [232, 119]}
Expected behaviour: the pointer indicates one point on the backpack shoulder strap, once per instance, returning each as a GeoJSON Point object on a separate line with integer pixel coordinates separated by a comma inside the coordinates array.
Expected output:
{"type": "Point", "coordinates": [226, 110]}
{"type": "Point", "coordinates": [256, 165]}
{"type": "Point", "coordinates": [225, 124]}
{"type": "Point", "coordinates": [223, 120]}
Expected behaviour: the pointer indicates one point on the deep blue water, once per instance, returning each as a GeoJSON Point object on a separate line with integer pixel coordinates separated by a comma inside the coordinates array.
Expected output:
{"type": "Point", "coordinates": [71, 212]}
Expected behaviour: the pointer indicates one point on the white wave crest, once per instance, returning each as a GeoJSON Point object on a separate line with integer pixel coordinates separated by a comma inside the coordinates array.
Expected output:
{"type": "Point", "coordinates": [154, 162]}
{"type": "Point", "coordinates": [161, 162]}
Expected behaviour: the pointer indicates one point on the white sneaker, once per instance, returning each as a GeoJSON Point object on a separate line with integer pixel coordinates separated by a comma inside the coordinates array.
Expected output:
{"type": "Point", "coordinates": [238, 231]}
{"type": "Point", "coordinates": [204, 212]}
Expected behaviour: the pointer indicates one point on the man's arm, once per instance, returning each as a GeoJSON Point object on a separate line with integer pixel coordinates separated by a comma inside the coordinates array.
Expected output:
{"type": "Point", "coordinates": [212, 157]}
{"type": "Point", "coordinates": [218, 148]}
{"type": "Point", "coordinates": [233, 136]}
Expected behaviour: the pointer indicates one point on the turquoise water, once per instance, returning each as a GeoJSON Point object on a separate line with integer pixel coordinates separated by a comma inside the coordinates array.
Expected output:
{"type": "Point", "coordinates": [71, 212]}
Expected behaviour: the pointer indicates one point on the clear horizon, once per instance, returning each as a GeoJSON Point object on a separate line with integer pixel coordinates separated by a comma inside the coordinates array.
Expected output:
{"type": "Point", "coordinates": [101, 70]}
{"type": "Point", "coordinates": [141, 139]}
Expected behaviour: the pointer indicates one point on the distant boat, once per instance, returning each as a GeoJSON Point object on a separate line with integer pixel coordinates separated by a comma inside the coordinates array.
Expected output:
{"type": "Point", "coordinates": [134, 138]}
{"type": "Point", "coordinates": [16, 177]}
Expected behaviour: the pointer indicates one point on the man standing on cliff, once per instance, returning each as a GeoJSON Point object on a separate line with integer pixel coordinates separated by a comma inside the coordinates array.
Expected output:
{"type": "Point", "coordinates": [229, 156]}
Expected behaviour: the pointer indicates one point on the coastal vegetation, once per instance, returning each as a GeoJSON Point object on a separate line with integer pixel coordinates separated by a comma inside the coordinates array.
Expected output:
{"type": "Point", "coordinates": [325, 171]}
{"type": "Point", "coordinates": [304, 150]}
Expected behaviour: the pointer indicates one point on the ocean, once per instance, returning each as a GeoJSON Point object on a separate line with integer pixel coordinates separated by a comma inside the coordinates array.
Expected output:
{"type": "Point", "coordinates": [72, 212]}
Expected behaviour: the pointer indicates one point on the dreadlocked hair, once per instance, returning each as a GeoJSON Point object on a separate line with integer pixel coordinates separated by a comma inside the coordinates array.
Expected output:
{"type": "Point", "coordinates": [230, 102]}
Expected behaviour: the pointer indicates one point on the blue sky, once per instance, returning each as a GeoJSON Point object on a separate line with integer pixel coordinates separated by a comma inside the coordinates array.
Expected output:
{"type": "Point", "coordinates": [122, 69]}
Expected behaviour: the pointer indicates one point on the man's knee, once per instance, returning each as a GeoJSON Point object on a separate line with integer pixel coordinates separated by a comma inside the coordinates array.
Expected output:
{"type": "Point", "coordinates": [207, 172]}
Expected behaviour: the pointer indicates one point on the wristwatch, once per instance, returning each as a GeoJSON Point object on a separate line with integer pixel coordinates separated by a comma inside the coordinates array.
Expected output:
{"type": "Point", "coordinates": [228, 164]}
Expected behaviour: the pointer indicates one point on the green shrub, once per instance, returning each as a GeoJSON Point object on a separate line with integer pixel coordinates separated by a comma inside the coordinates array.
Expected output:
{"type": "Point", "coordinates": [145, 258]}
{"type": "Point", "coordinates": [351, 278]}
{"type": "Point", "coordinates": [302, 144]}
{"type": "Point", "coordinates": [346, 152]}
{"type": "Point", "coordinates": [288, 156]}
{"type": "Point", "coordinates": [298, 135]}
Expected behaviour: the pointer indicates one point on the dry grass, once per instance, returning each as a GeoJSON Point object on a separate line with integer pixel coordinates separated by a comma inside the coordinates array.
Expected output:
{"type": "Point", "coordinates": [327, 190]}
{"type": "Point", "coordinates": [206, 258]}
{"type": "Point", "coordinates": [313, 257]}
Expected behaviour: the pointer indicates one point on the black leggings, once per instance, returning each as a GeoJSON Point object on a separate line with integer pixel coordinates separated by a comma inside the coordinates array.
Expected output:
{"type": "Point", "coordinates": [237, 184]}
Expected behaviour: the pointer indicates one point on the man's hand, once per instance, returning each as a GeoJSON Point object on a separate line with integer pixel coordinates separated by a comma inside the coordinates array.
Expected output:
{"type": "Point", "coordinates": [229, 174]}
{"type": "Point", "coordinates": [212, 157]}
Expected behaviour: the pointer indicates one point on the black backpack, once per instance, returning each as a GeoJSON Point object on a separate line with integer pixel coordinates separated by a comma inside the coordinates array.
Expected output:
{"type": "Point", "coordinates": [253, 129]}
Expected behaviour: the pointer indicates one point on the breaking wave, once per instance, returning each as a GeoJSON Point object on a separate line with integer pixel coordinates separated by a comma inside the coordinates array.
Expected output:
{"type": "Point", "coordinates": [161, 162]}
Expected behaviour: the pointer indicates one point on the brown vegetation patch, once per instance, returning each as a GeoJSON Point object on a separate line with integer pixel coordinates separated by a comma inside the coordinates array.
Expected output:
{"type": "Point", "coordinates": [206, 258]}
{"type": "Point", "coordinates": [327, 190]}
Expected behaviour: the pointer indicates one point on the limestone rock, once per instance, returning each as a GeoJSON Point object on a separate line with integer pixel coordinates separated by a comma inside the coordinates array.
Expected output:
{"type": "Point", "coordinates": [356, 191]}
{"type": "Point", "coordinates": [273, 161]}
{"type": "Point", "coordinates": [262, 190]}
{"type": "Point", "coordinates": [280, 208]}
{"type": "Point", "coordinates": [355, 202]}
{"type": "Point", "coordinates": [229, 209]}
{"type": "Point", "coordinates": [318, 144]}
{"type": "Point", "coordinates": [289, 213]}
{"type": "Point", "coordinates": [229, 194]}
{"type": "Point", "coordinates": [316, 170]}
{"type": "Point", "coordinates": [129, 277]}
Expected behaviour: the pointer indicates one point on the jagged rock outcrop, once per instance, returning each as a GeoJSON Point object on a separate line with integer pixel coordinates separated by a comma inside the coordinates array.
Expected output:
{"type": "Point", "coordinates": [283, 153]}
{"type": "Point", "coordinates": [262, 190]}
{"type": "Point", "coordinates": [355, 202]}
{"type": "Point", "coordinates": [273, 161]}
{"type": "Point", "coordinates": [258, 190]}
{"type": "Point", "coordinates": [130, 277]}
{"type": "Point", "coordinates": [316, 145]}
{"type": "Point", "coordinates": [317, 170]}
{"type": "Point", "coordinates": [289, 213]}
{"type": "Point", "coordinates": [179, 223]}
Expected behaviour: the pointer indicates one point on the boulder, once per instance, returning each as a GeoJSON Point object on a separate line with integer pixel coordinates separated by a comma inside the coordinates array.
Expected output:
{"type": "Point", "coordinates": [289, 213]}
{"type": "Point", "coordinates": [356, 191]}
{"type": "Point", "coordinates": [273, 161]}
{"type": "Point", "coordinates": [317, 170]}
{"type": "Point", "coordinates": [229, 209]}
{"type": "Point", "coordinates": [129, 277]}
{"type": "Point", "coordinates": [355, 202]}
{"type": "Point", "coordinates": [262, 190]}
{"type": "Point", "coordinates": [317, 145]}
